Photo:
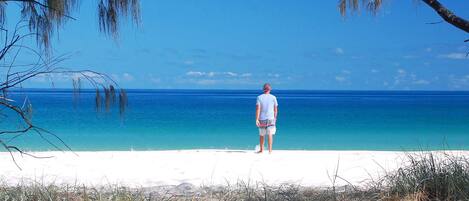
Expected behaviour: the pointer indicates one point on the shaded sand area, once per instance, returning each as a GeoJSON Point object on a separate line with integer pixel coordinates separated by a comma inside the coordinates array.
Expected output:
{"type": "Point", "coordinates": [201, 167]}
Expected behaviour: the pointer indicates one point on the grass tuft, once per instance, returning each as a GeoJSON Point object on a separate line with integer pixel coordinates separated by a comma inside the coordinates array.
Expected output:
{"type": "Point", "coordinates": [431, 176]}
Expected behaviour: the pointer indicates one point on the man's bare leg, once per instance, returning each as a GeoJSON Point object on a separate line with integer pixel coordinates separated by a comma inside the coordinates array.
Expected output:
{"type": "Point", "coordinates": [261, 143]}
{"type": "Point", "coordinates": [271, 139]}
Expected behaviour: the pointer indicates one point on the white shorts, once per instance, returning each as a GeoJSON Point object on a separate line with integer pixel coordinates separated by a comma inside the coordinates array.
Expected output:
{"type": "Point", "coordinates": [269, 131]}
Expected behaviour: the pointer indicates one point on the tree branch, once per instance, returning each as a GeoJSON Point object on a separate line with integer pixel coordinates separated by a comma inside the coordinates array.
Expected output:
{"type": "Point", "coordinates": [44, 6]}
{"type": "Point", "coordinates": [448, 16]}
{"type": "Point", "coordinates": [16, 74]}
{"type": "Point", "coordinates": [441, 21]}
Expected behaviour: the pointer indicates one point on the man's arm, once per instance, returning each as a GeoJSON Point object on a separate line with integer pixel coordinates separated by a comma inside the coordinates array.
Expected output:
{"type": "Point", "coordinates": [258, 112]}
{"type": "Point", "coordinates": [275, 112]}
{"type": "Point", "coordinates": [275, 108]}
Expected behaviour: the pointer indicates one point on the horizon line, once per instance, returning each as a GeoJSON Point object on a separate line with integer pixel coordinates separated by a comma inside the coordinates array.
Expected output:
{"type": "Point", "coordinates": [241, 89]}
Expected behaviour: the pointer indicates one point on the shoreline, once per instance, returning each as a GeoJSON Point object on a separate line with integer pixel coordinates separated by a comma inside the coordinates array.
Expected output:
{"type": "Point", "coordinates": [410, 150]}
{"type": "Point", "coordinates": [204, 167]}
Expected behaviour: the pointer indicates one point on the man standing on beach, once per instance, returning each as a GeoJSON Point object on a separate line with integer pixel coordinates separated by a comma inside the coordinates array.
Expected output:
{"type": "Point", "coordinates": [266, 116]}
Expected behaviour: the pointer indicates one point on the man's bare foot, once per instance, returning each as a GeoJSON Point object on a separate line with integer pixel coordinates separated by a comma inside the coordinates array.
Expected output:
{"type": "Point", "coordinates": [259, 152]}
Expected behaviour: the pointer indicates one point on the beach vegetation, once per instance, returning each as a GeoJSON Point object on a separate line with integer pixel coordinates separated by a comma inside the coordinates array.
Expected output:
{"type": "Point", "coordinates": [39, 20]}
{"type": "Point", "coordinates": [425, 176]}
{"type": "Point", "coordinates": [430, 176]}
{"type": "Point", "coordinates": [45, 17]}
{"type": "Point", "coordinates": [374, 6]}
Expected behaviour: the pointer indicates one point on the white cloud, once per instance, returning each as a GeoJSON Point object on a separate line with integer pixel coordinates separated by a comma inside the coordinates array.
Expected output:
{"type": "Point", "coordinates": [90, 74]}
{"type": "Point", "coordinates": [41, 78]}
{"type": "Point", "coordinates": [222, 79]}
{"type": "Point", "coordinates": [216, 74]}
{"type": "Point", "coordinates": [339, 50]}
{"type": "Point", "coordinates": [343, 76]}
{"type": "Point", "coordinates": [115, 77]}
{"type": "Point", "coordinates": [401, 77]}
{"type": "Point", "coordinates": [195, 73]}
{"type": "Point", "coordinates": [188, 62]}
{"type": "Point", "coordinates": [66, 77]}
{"type": "Point", "coordinates": [231, 74]}
{"type": "Point", "coordinates": [211, 74]}
{"type": "Point", "coordinates": [453, 55]}
{"type": "Point", "coordinates": [406, 80]}
{"type": "Point", "coordinates": [127, 77]}
{"type": "Point", "coordinates": [457, 82]}
{"type": "Point", "coordinates": [155, 80]}
{"type": "Point", "coordinates": [421, 82]}
{"type": "Point", "coordinates": [276, 75]}
{"type": "Point", "coordinates": [340, 78]}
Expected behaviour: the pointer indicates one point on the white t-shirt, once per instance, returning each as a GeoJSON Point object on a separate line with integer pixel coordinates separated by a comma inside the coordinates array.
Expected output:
{"type": "Point", "coordinates": [266, 102]}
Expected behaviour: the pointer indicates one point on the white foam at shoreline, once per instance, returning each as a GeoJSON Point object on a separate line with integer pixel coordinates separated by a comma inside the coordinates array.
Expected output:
{"type": "Point", "coordinates": [201, 167]}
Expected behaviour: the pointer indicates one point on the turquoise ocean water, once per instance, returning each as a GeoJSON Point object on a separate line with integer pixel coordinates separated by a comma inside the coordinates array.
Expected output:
{"type": "Point", "coordinates": [224, 119]}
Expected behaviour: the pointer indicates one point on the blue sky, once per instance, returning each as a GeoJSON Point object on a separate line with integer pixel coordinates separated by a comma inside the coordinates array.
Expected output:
{"type": "Point", "coordinates": [210, 44]}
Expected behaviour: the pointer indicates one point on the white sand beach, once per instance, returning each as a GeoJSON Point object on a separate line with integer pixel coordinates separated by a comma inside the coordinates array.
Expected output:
{"type": "Point", "coordinates": [201, 167]}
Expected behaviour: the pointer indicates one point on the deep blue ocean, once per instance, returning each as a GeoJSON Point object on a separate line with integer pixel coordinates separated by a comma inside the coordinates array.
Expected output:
{"type": "Point", "coordinates": [225, 119]}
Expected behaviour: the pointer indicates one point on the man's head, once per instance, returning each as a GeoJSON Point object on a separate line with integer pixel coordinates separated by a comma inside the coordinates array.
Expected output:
{"type": "Point", "coordinates": [267, 87]}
